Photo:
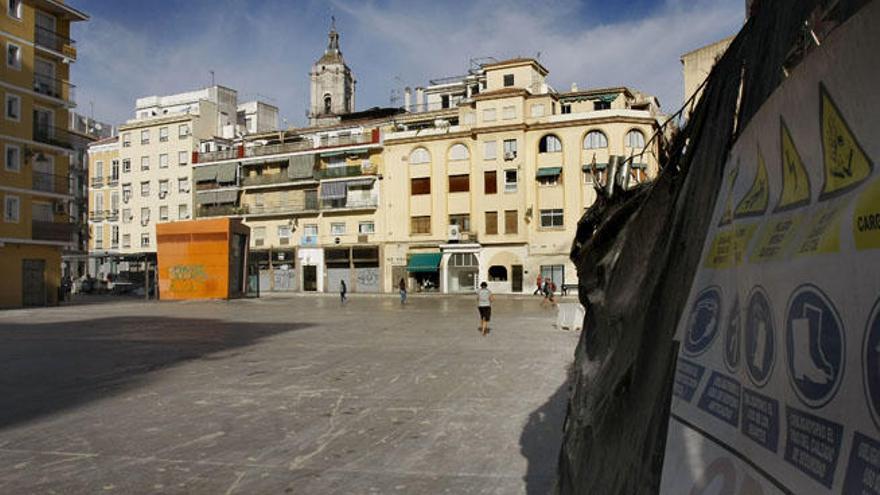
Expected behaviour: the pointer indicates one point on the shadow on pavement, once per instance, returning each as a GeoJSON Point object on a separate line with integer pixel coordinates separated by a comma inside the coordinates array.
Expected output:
{"type": "Point", "coordinates": [45, 368]}
{"type": "Point", "coordinates": [541, 440]}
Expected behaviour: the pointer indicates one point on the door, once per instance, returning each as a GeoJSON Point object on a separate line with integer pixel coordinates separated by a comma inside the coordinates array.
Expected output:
{"type": "Point", "coordinates": [310, 278]}
{"type": "Point", "coordinates": [44, 173]}
{"type": "Point", "coordinates": [44, 77]}
{"type": "Point", "coordinates": [33, 285]}
{"type": "Point", "coordinates": [516, 278]}
{"type": "Point", "coordinates": [555, 273]}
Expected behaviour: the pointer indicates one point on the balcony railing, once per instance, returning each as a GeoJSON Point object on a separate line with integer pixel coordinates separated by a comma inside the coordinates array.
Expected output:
{"type": "Point", "coordinates": [56, 88]}
{"type": "Point", "coordinates": [48, 38]}
{"type": "Point", "coordinates": [55, 136]}
{"type": "Point", "coordinates": [262, 180]}
{"type": "Point", "coordinates": [52, 183]}
{"type": "Point", "coordinates": [219, 210]}
{"type": "Point", "coordinates": [52, 231]}
{"type": "Point", "coordinates": [96, 216]}
{"type": "Point", "coordinates": [97, 182]}
{"type": "Point", "coordinates": [346, 171]}
{"type": "Point", "coordinates": [239, 152]}
{"type": "Point", "coordinates": [350, 203]}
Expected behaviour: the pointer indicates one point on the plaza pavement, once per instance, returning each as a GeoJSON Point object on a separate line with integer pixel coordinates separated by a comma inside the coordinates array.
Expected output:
{"type": "Point", "coordinates": [282, 395]}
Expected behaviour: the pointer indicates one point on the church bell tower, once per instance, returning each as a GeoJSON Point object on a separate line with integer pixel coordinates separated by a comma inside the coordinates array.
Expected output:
{"type": "Point", "coordinates": [332, 84]}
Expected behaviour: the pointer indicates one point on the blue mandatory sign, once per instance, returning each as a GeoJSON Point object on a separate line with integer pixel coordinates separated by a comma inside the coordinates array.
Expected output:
{"type": "Point", "coordinates": [732, 337]}
{"type": "Point", "coordinates": [760, 338]}
{"type": "Point", "coordinates": [702, 325]}
{"type": "Point", "coordinates": [815, 346]}
{"type": "Point", "coordinates": [871, 362]}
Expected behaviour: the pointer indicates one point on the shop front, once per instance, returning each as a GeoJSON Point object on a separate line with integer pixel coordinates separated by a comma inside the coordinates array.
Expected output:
{"type": "Point", "coordinates": [460, 268]}
{"type": "Point", "coordinates": [424, 272]}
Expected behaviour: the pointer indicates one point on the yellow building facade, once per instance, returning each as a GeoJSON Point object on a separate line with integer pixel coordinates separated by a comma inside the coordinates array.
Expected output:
{"type": "Point", "coordinates": [36, 146]}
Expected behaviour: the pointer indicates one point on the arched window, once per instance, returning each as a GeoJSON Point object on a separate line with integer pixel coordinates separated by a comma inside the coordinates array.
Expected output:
{"type": "Point", "coordinates": [497, 273]}
{"type": "Point", "coordinates": [327, 103]}
{"type": "Point", "coordinates": [635, 139]}
{"type": "Point", "coordinates": [458, 151]}
{"type": "Point", "coordinates": [419, 155]}
{"type": "Point", "coordinates": [549, 144]}
{"type": "Point", "coordinates": [594, 140]}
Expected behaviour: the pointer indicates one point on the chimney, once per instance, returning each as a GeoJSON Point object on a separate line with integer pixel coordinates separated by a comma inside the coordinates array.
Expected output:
{"type": "Point", "coordinates": [574, 87]}
{"type": "Point", "coordinates": [407, 94]}
{"type": "Point", "coordinates": [420, 99]}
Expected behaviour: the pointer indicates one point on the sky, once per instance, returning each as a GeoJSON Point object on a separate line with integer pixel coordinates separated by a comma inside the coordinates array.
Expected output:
{"type": "Point", "coordinates": [265, 48]}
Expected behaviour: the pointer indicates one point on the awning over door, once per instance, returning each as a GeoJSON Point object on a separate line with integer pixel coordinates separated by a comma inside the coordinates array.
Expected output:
{"type": "Point", "coordinates": [424, 262]}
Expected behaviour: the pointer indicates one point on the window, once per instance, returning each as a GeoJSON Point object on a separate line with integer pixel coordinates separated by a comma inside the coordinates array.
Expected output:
{"type": "Point", "coordinates": [126, 193]}
{"type": "Point", "coordinates": [13, 158]}
{"type": "Point", "coordinates": [163, 213]}
{"type": "Point", "coordinates": [508, 113]}
{"type": "Point", "coordinates": [163, 134]}
{"type": "Point", "coordinates": [490, 182]}
{"type": "Point", "coordinates": [420, 225]}
{"type": "Point", "coordinates": [337, 228]}
{"type": "Point", "coordinates": [595, 140]}
{"type": "Point", "coordinates": [463, 260]}
{"type": "Point", "coordinates": [13, 107]}
{"type": "Point", "coordinates": [459, 183]}
{"type": "Point", "coordinates": [258, 199]}
{"type": "Point", "coordinates": [163, 160]}
{"type": "Point", "coordinates": [463, 222]}
{"type": "Point", "coordinates": [99, 169]}
{"type": "Point", "coordinates": [145, 163]}
{"type": "Point", "coordinates": [126, 240]}
{"type": "Point", "coordinates": [421, 185]}
{"type": "Point", "coordinates": [635, 139]}
{"type": "Point", "coordinates": [510, 180]}
{"type": "Point", "coordinates": [470, 118]}
{"type": "Point", "coordinates": [458, 151]}
{"type": "Point", "coordinates": [183, 212]}
{"type": "Point", "coordinates": [284, 234]}
{"type": "Point", "coordinates": [565, 108]}
{"type": "Point", "coordinates": [549, 144]}
{"type": "Point", "coordinates": [145, 188]}
{"type": "Point", "coordinates": [490, 149]}
{"type": "Point", "coordinates": [126, 165]}
{"type": "Point", "coordinates": [491, 222]}
{"type": "Point", "coordinates": [538, 110]}
{"type": "Point", "coordinates": [145, 215]}
{"type": "Point", "coordinates": [11, 209]}
{"type": "Point", "coordinates": [588, 178]}
{"type": "Point", "coordinates": [511, 222]}
{"type": "Point", "coordinates": [497, 273]}
{"type": "Point", "coordinates": [99, 236]}
{"type": "Point", "coordinates": [183, 185]}
{"type": "Point", "coordinates": [549, 180]}
{"type": "Point", "coordinates": [489, 115]}
{"type": "Point", "coordinates": [114, 170]}
{"type": "Point", "coordinates": [163, 187]}
{"type": "Point", "coordinates": [509, 149]}
{"type": "Point", "coordinates": [145, 240]}
{"type": "Point", "coordinates": [508, 80]}
{"type": "Point", "coordinates": [310, 230]}
{"type": "Point", "coordinates": [126, 215]}
{"type": "Point", "coordinates": [126, 140]}
{"type": "Point", "coordinates": [99, 202]}
{"type": "Point", "coordinates": [601, 105]}
{"type": "Point", "coordinates": [419, 155]}
{"type": "Point", "coordinates": [114, 201]}
{"type": "Point", "coordinates": [14, 9]}
{"type": "Point", "coordinates": [551, 218]}
{"type": "Point", "coordinates": [366, 228]}
{"type": "Point", "coordinates": [13, 56]}
{"type": "Point", "coordinates": [444, 101]}
{"type": "Point", "coordinates": [182, 158]}
{"type": "Point", "coordinates": [183, 130]}
{"type": "Point", "coordinates": [145, 136]}
{"type": "Point", "coordinates": [328, 104]}
{"type": "Point", "coordinates": [114, 236]}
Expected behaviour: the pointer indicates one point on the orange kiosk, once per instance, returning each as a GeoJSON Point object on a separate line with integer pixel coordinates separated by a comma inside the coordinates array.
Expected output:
{"type": "Point", "coordinates": [202, 259]}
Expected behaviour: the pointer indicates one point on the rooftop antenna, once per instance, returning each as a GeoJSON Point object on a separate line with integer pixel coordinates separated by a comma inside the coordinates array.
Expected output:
{"type": "Point", "coordinates": [538, 56]}
{"type": "Point", "coordinates": [394, 100]}
{"type": "Point", "coordinates": [212, 78]}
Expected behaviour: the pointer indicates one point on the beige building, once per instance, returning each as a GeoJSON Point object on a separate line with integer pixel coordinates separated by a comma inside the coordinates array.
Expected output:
{"type": "Point", "coordinates": [35, 179]}
{"type": "Point", "coordinates": [477, 179]}
{"type": "Point", "coordinates": [697, 64]}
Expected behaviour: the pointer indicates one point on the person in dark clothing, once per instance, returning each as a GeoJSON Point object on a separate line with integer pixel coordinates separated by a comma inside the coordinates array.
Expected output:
{"type": "Point", "coordinates": [342, 291]}
{"type": "Point", "coordinates": [402, 287]}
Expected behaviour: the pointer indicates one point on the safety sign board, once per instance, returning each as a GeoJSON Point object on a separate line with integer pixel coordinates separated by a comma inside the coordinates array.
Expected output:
{"type": "Point", "coordinates": [777, 382]}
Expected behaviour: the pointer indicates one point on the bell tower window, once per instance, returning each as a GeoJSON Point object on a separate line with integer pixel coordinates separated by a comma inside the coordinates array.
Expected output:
{"type": "Point", "coordinates": [327, 103]}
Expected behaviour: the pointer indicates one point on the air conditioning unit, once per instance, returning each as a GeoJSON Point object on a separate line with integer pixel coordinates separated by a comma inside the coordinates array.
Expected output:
{"type": "Point", "coordinates": [509, 155]}
{"type": "Point", "coordinates": [162, 194]}
{"type": "Point", "coordinates": [454, 233]}
{"type": "Point", "coordinates": [60, 207]}
{"type": "Point", "coordinates": [144, 223]}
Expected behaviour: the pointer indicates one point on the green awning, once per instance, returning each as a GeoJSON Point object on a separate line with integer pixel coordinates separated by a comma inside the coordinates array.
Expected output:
{"type": "Point", "coordinates": [424, 262]}
{"type": "Point", "coordinates": [608, 98]}
{"type": "Point", "coordinates": [332, 153]}
{"type": "Point", "coordinates": [589, 166]}
{"type": "Point", "coordinates": [549, 171]}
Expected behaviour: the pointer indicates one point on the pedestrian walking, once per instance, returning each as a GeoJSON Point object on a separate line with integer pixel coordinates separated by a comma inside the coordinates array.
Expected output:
{"type": "Point", "coordinates": [551, 291]}
{"type": "Point", "coordinates": [402, 286]}
{"type": "Point", "coordinates": [539, 285]}
{"type": "Point", "coordinates": [342, 291]}
{"type": "Point", "coordinates": [484, 305]}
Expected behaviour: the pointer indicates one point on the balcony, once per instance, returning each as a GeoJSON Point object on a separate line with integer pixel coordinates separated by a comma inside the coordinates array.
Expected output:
{"type": "Point", "coordinates": [346, 171]}
{"type": "Point", "coordinates": [51, 183]}
{"type": "Point", "coordinates": [283, 207]}
{"type": "Point", "coordinates": [96, 216]}
{"type": "Point", "coordinates": [56, 88]}
{"type": "Point", "coordinates": [52, 231]}
{"type": "Point", "coordinates": [49, 39]}
{"type": "Point", "coordinates": [240, 152]}
{"type": "Point", "coordinates": [219, 210]}
{"type": "Point", "coordinates": [111, 215]}
{"type": "Point", "coordinates": [97, 182]}
{"type": "Point", "coordinates": [269, 179]}
{"type": "Point", "coordinates": [350, 203]}
{"type": "Point", "coordinates": [55, 136]}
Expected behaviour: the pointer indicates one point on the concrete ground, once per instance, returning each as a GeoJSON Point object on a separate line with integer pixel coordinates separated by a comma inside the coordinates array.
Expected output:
{"type": "Point", "coordinates": [281, 395]}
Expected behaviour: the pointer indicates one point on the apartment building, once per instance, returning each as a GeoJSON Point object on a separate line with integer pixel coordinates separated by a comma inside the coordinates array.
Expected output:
{"type": "Point", "coordinates": [104, 204]}
{"type": "Point", "coordinates": [35, 176]}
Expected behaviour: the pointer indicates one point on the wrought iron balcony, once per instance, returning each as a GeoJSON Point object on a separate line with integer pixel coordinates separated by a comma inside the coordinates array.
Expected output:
{"type": "Point", "coordinates": [97, 182]}
{"type": "Point", "coordinates": [350, 203]}
{"type": "Point", "coordinates": [56, 88]}
{"type": "Point", "coordinates": [48, 38]}
{"type": "Point", "coordinates": [55, 136]}
{"type": "Point", "coordinates": [52, 231]}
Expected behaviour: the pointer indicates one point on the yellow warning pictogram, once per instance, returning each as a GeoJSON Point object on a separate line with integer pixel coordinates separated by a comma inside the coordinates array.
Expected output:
{"type": "Point", "coordinates": [754, 203]}
{"type": "Point", "coordinates": [846, 163]}
{"type": "Point", "coordinates": [727, 215]}
{"type": "Point", "coordinates": [795, 181]}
